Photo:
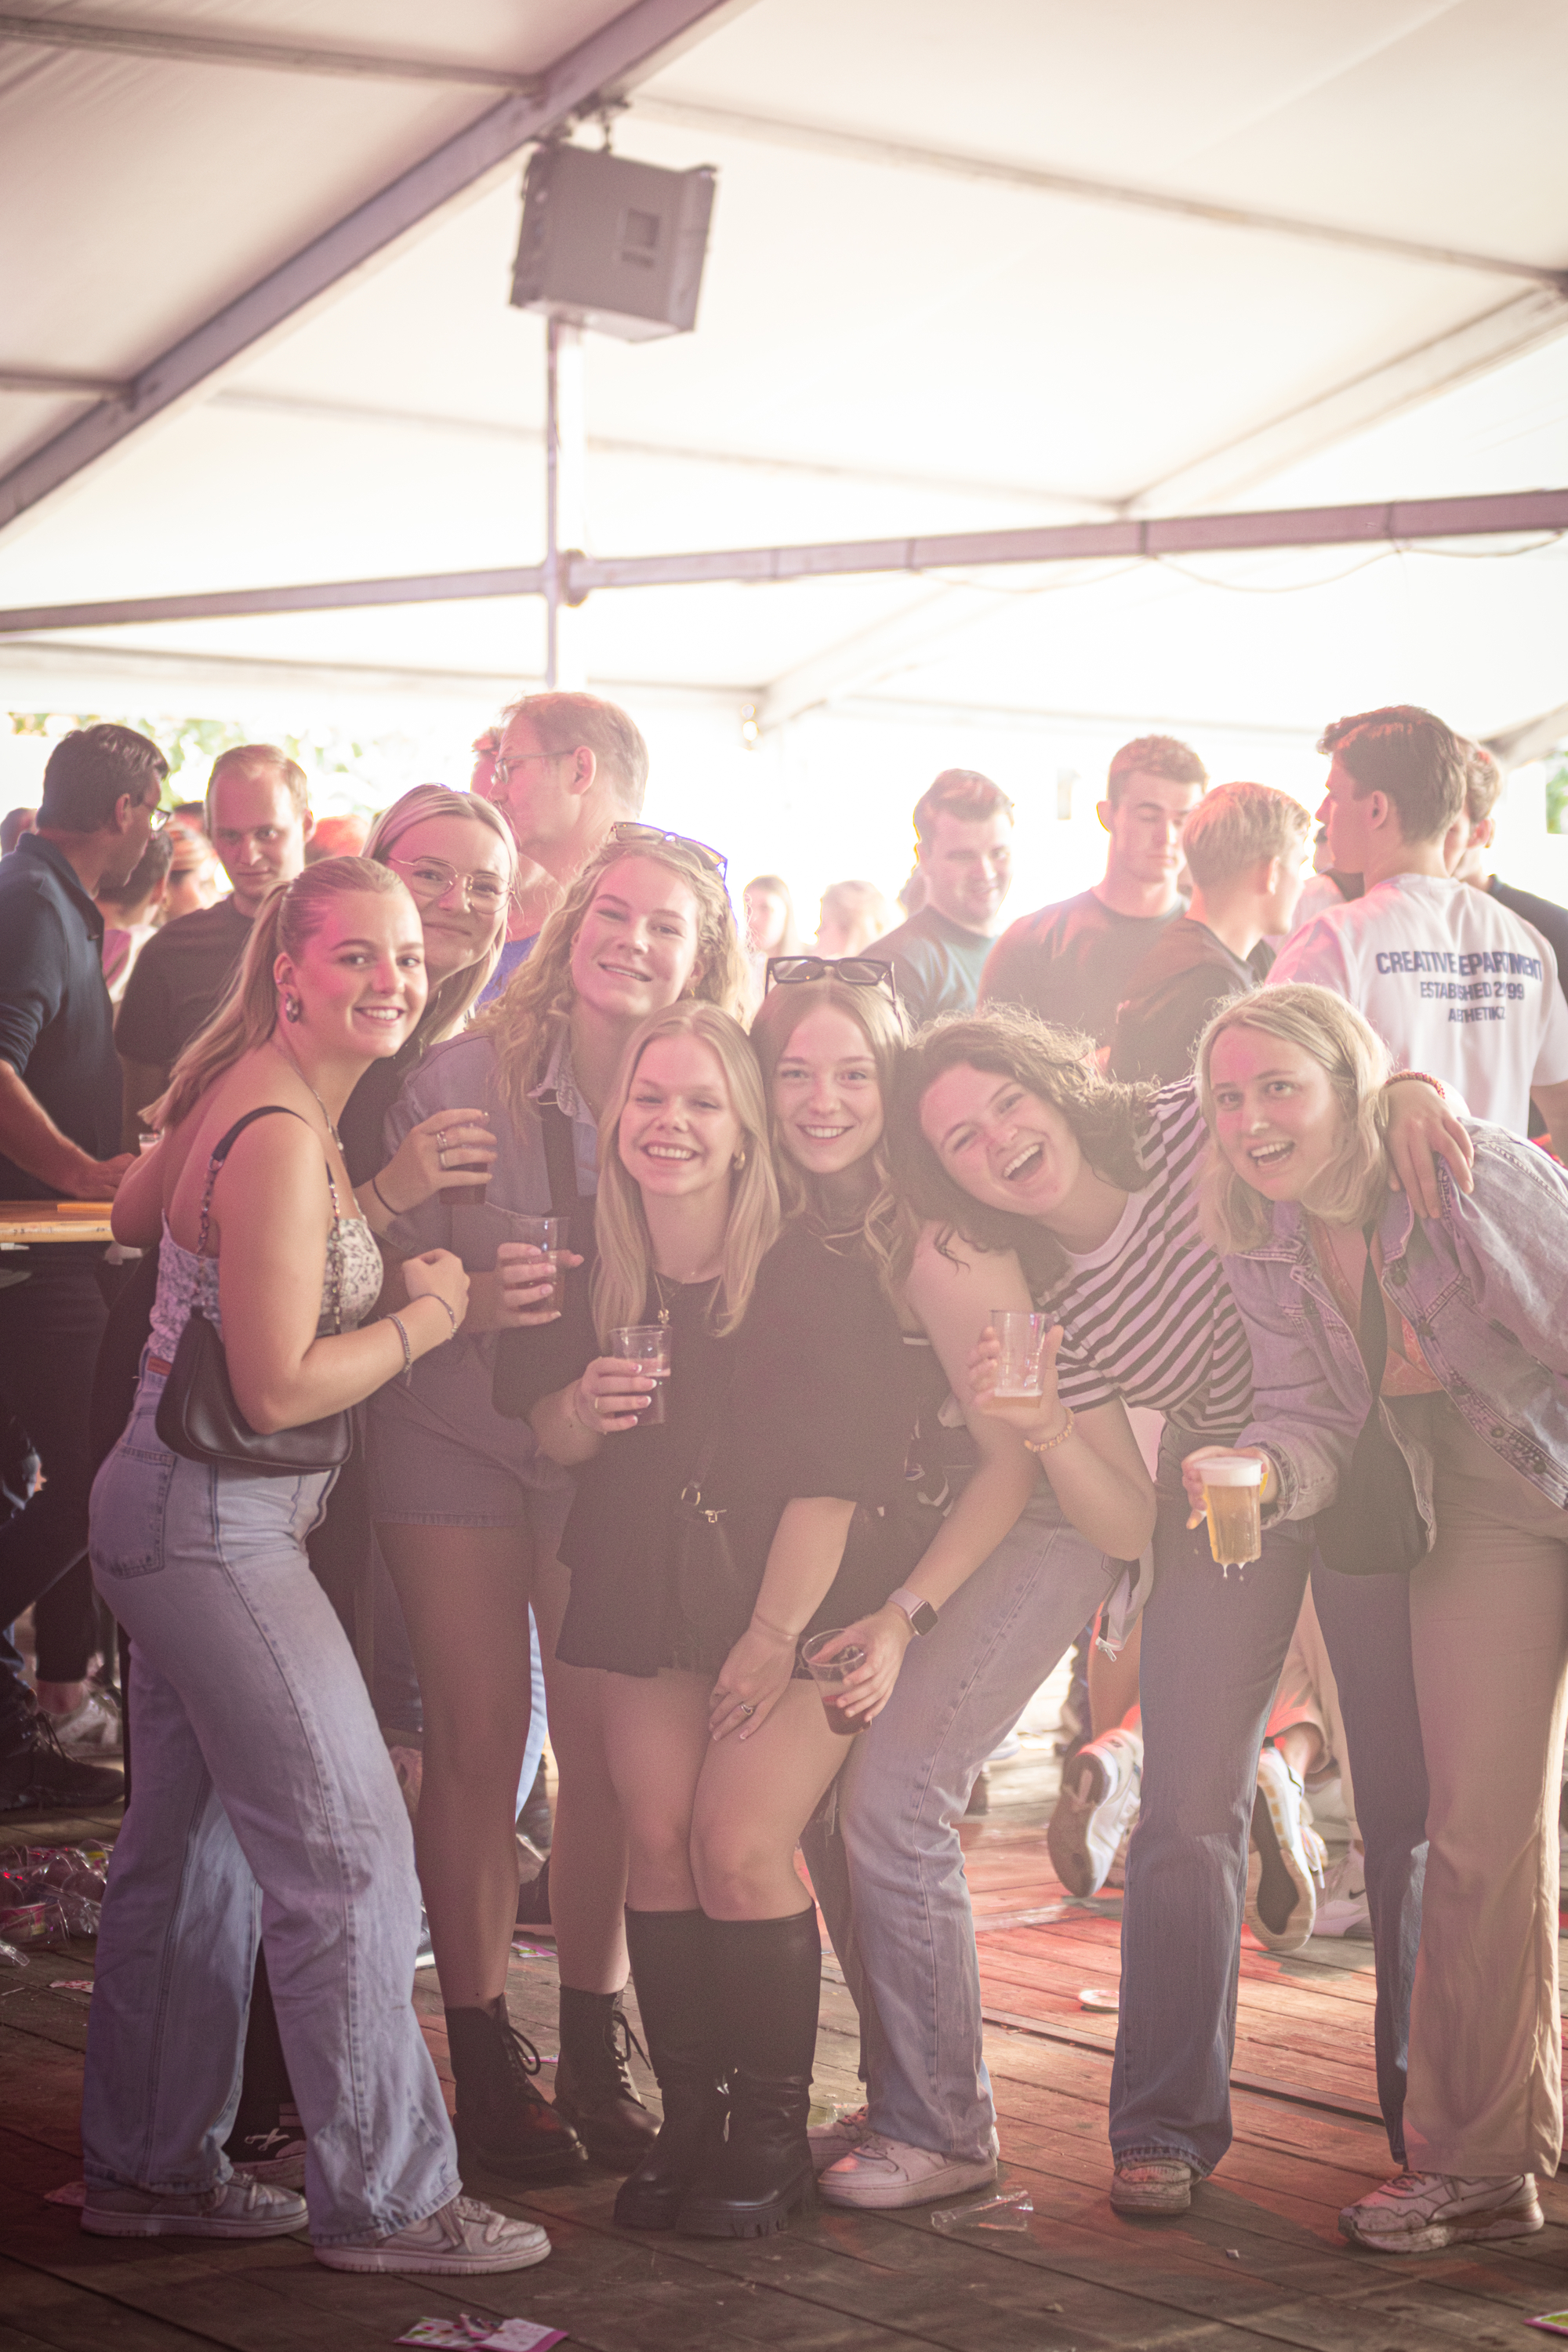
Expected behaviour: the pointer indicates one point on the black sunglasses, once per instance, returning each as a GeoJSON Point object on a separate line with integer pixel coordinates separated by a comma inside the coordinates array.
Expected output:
{"type": "Point", "coordinates": [857, 971]}
{"type": "Point", "coordinates": [648, 836]}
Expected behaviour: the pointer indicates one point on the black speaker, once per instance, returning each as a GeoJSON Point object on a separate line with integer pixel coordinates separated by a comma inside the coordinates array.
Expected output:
{"type": "Point", "coordinates": [613, 245]}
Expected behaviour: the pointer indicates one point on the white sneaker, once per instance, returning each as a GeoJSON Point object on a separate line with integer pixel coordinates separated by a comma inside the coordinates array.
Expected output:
{"type": "Point", "coordinates": [1422, 2212]}
{"type": "Point", "coordinates": [842, 2137]}
{"type": "Point", "coordinates": [1099, 1790]}
{"type": "Point", "coordinates": [237, 2207]}
{"type": "Point", "coordinates": [882, 2173]}
{"type": "Point", "coordinates": [1282, 1909]}
{"type": "Point", "coordinates": [93, 1729]}
{"type": "Point", "coordinates": [1343, 1906]}
{"type": "Point", "coordinates": [463, 2238]}
{"type": "Point", "coordinates": [1152, 2184]}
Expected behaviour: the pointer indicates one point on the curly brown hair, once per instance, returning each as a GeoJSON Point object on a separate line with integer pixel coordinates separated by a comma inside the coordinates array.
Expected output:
{"type": "Point", "coordinates": [1054, 1064]}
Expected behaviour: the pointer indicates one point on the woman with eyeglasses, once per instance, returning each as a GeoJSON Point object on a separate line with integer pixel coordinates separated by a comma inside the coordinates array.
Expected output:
{"type": "Point", "coordinates": [969, 1569]}
{"type": "Point", "coordinates": [708, 1541]}
{"type": "Point", "coordinates": [1007, 1133]}
{"type": "Point", "coordinates": [468, 1511]}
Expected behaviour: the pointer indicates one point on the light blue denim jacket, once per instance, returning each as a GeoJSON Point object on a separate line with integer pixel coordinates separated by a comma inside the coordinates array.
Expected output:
{"type": "Point", "coordinates": [1483, 1287]}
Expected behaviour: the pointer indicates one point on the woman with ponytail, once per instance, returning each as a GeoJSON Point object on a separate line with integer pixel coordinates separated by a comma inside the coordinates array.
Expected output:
{"type": "Point", "coordinates": [264, 1796]}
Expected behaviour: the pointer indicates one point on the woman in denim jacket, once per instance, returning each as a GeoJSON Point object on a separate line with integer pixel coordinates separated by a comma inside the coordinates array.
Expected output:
{"type": "Point", "coordinates": [1476, 1396]}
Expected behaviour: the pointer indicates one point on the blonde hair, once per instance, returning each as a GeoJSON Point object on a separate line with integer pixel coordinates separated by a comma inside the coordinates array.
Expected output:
{"type": "Point", "coordinates": [563, 721]}
{"type": "Point", "coordinates": [1234, 826]}
{"type": "Point", "coordinates": [251, 760]}
{"type": "Point", "coordinates": [248, 1014]}
{"type": "Point", "coordinates": [625, 1253]}
{"type": "Point", "coordinates": [528, 1017]}
{"type": "Point", "coordinates": [889, 1229]}
{"type": "Point", "coordinates": [1350, 1189]}
{"type": "Point", "coordinates": [451, 1000]}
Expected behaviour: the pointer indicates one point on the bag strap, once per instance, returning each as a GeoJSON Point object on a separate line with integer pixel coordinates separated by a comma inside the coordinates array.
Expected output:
{"type": "Point", "coordinates": [560, 1157]}
{"type": "Point", "coordinates": [221, 1151]}
{"type": "Point", "coordinates": [1372, 1335]}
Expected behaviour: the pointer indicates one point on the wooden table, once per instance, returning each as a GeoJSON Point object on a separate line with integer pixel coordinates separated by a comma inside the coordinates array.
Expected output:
{"type": "Point", "coordinates": [22, 1223]}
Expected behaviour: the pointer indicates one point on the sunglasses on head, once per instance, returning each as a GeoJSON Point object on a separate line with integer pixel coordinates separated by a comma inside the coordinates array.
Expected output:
{"type": "Point", "coordinates": [649, 836]}
{"type": "Point", "coordinates": [857, 971]}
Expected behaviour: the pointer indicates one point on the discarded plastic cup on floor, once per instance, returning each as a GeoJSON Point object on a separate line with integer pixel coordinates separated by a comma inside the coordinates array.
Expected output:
{"type": "Point", "coordinates": [10, 1958]}
{"type": "Point", "coordinates": [1010, 2210]}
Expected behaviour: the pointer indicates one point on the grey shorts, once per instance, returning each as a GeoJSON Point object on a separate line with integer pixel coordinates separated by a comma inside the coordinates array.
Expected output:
{"type": "Point", "coordinates": [441, 1456]}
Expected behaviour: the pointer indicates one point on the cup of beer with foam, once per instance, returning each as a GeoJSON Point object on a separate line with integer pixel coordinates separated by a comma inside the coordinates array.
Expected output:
{"type": "Point", "coordinates": [1233, 1486]}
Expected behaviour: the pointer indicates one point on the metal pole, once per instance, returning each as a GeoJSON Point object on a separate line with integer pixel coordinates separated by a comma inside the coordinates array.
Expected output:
{"type": "Point", "coordinates": [552, 499]}
{"type": "Point", "coordinates": [565, 446]}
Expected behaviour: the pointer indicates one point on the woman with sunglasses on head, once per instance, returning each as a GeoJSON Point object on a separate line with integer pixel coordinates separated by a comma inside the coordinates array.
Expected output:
{"type": "Point", "coordinates": [831, 1039]}
{"type": "Point", "coordinates": [1332, 1269]}
{"type": "Point", "coordinates": [469, 1510]}
{"type": "Point", "coordinates": [704, 1548]}
{"type": "Point", "coordinates": [263, 1792]}
{"type": "Point", "coordinates": [1006, 1131]}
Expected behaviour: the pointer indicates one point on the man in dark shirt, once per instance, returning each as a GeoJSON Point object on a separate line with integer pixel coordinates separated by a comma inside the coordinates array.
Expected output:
{"type": "Point", "coordinates": [964, 836]}
{"type": "Point", "coordinates": [60, 1124]}
{"type": "Point", "coordinates": [1468, 851]}
{"type": "Point", "coordinates": [1244, 844]}
{"type": "Point", "coordinates": [1072, 963]}
{"type": "Point", "coordinates": [260, 820]}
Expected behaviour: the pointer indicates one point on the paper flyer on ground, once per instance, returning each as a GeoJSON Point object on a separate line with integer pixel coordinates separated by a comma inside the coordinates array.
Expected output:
{"type": "Point", "coordinates": [466, 2335]}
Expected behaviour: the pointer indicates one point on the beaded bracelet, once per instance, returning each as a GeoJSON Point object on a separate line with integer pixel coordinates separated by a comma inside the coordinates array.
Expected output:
{"type": "Point", "coordinates": [396, 1322]}
{"type": "Point", "coordinates": [1426, 1077]}
{"type": "Point", "coordinates": [1049, 1444]}
{"type": "Point", "coordinates": [442, 1303]}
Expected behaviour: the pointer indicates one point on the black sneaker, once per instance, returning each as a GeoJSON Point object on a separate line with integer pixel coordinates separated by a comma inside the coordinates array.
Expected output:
{"type": "Point", "coordinates": [38, 1777]}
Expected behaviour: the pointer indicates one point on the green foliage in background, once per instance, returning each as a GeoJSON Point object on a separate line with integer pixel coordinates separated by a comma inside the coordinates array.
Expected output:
{"type": "Point", "coordinates": [1557, 799]}
{"type": "Point", "coordinates": [191, 745]}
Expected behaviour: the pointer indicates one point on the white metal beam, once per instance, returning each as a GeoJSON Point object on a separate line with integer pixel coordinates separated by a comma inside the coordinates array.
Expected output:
{"type": "Point", "coordinates": [903, 154]}
{"type": "Point", "coordinates": [273, 56]}
{"type": "Point", "coordinates": [1451, 359]}
{"type": "Point", "coordinates": [940, 617]}
{"type": "Point", "coordinates": [1515, 746]}
{"type": "Point", "coordinates": [634, 43]}
{"type": "Point", "coordinates": [1396, 522]}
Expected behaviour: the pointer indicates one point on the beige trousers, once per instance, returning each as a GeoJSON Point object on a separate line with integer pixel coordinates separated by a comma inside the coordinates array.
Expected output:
{"type": "Point", "coordinates": [1489, 1617]}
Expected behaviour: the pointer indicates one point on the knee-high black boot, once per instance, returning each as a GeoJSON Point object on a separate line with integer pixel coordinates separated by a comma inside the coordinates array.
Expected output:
{"type": "Point", "coordinates": [672, 1968]}
{"type": "Point", "coordinates": [769, 1979]}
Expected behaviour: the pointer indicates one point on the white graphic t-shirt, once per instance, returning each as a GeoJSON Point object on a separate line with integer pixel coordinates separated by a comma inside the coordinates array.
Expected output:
{"type": "Point", "coordinates": [1452, 983]}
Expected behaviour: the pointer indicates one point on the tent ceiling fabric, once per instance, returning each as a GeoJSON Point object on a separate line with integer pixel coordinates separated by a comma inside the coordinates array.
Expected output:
{"type": "Point", "coordinates": [887, 344]}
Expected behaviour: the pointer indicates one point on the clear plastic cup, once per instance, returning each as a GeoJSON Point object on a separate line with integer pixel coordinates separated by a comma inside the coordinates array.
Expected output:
{"type": "Point", "coordinates": [647, 1345]}
{"type": "Point", "coordinates": [1022, 1338]}
{"type": "Point", "coordinates": [830, 1672]}
{"type": "Point", "coordinates": [1233, 1500]}
{"type": "Point", "coordinates": [547, 1234]}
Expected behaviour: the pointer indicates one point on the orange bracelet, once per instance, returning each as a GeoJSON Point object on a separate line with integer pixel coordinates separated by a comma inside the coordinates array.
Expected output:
{"type": "Point", "coordinates": [1426, 1077]}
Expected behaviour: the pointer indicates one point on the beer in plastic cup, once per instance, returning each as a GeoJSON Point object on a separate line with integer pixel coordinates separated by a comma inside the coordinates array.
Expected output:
{"type": "Point", "coordinates": [1232, 1497]}
{"type": "Point", "coordinates": [647, 1345]}
{"type": "Point", "coordinates": [1022, 1338]}
{"type": "Point", "coordinates": [830, 1673]}
{"type": "Point", "coordinates": [547, 1234]}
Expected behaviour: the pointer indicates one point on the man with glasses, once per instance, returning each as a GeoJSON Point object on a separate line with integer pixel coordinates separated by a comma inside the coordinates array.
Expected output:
{"type": "Point", "coordinates": [258, 819]}
{"type": "Point", "coordinates": [59, 1125]}
{"type": "Point", "coordinates": [568, 770]}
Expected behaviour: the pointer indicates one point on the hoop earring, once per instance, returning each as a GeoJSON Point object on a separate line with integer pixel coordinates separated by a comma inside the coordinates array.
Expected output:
{"type": "Point", "coordinates": [292, 1008]}
{"type": "Point", "coordinates": [738, 1162]}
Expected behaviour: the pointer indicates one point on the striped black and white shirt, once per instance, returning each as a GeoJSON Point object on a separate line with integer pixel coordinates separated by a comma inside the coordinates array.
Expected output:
{"type": "Point", "coordinates": [1149, 1315]}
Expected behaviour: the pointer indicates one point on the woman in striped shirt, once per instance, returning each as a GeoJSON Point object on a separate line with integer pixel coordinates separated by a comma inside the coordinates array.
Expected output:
{"type": "Point", "coordinates": [1007, 1134]}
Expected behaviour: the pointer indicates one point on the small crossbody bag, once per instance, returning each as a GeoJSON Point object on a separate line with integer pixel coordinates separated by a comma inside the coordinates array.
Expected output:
{"type": "Point", "coordinates": [1373, 1527]}
{"type": "Point", "coordinates": [197, 1417]}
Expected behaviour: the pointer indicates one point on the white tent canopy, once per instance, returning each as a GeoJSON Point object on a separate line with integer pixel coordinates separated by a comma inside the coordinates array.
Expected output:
{"type": "Point", "coordinates": [974, 269]}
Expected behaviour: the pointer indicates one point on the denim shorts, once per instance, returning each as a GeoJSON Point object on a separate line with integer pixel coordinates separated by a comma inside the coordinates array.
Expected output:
{"type": "Point", "coordinates": [441, 1455]}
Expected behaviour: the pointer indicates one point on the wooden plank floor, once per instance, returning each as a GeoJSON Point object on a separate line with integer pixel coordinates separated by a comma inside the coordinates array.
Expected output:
{"type": "Point", "coordinates": [1257, 2263]}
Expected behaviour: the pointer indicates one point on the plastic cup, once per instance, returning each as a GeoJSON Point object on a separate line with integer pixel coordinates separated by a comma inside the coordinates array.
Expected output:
{"type": "Point", "coordinates": [1233, 1500]}
{"type": "Point", "coordinates": [647, 1345]}
{"type": "Point", "coordinates": [547, 1234]}
{"type": "Point", "coordinates": [831, 1674]}
{"type": "Point", "coordinates": [1022, 1338]}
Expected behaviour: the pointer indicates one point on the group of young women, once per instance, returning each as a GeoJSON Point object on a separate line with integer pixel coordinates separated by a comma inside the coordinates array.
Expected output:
{"type": "Point", "coordinates": [825, 1216]}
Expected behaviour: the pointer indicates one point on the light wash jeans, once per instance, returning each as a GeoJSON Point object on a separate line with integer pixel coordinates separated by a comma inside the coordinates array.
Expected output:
{"type": "Point", "coordinates": [264, 1802]}
{"type": "Point", "coordinates": [1213, 1649]}
{"type": "Point", "coordinates": [893, 1891]}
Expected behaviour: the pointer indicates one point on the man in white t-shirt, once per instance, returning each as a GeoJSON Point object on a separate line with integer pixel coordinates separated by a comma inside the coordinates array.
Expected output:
{"type": "Point", "coordinates": [1452, 981]}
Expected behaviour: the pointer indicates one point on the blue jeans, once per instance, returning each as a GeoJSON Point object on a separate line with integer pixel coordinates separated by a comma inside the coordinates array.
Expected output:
{"type": "Point", "coordinates": [900, 1919]}
{"type": "Point", "coordinates": [265, 1804]}
{"type": "Point", "coordinates": [1213, 1649]}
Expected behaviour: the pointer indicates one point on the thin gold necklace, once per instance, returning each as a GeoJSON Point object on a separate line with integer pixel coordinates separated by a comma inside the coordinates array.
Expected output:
{"type": "Point", "coordinates": [707, 1283]}
{"type": "Point", "coordinates": [299, 1074]}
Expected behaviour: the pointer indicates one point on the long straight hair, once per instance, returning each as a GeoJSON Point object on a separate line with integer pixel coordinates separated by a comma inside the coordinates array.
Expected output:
{"type": "Point", "coordinates": [889, 1228]}
{"type": "Point", "coordinates": [527, 1019]}
{"type": "Point", "coordinates": [1351, 1186]}
{"type": "Point", "coordinates": [626, 1251]}
{"type": "Point", "coordinates": [248, 1014]}
{"type": "Point", "coordinates": [451, 1000]}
